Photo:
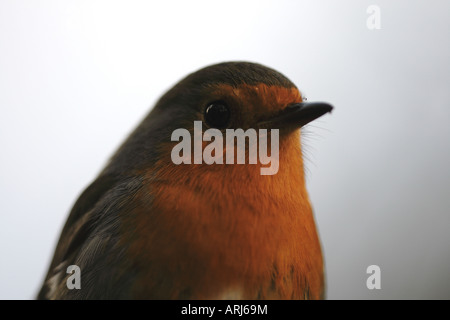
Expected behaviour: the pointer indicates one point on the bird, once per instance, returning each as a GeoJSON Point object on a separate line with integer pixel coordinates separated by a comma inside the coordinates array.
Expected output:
{"type": "Point", "coordinates": [147, 228]}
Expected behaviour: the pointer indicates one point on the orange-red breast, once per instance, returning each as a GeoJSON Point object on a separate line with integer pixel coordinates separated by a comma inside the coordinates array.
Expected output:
{"type": "Point", "coordinates": [147, 228]}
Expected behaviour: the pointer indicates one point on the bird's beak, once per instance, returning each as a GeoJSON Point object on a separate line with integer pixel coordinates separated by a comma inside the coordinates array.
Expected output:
{"type": "Point", "coordinates": [297, 115]}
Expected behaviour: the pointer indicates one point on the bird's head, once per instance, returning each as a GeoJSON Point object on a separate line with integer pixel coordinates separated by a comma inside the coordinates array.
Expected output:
{"type": "Point", "coordinates": [223, 97]}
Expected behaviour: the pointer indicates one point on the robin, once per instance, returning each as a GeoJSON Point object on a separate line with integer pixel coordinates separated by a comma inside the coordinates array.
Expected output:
{"type": "Point", "coordinates": [149, 228]}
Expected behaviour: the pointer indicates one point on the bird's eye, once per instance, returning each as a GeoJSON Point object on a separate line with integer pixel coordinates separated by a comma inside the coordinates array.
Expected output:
{"type": "Point", "coordinates": [217, 115]}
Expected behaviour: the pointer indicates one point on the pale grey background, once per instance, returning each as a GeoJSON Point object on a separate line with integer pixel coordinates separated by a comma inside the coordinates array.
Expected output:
{"type": "Point", "coordinates": [77, 76]}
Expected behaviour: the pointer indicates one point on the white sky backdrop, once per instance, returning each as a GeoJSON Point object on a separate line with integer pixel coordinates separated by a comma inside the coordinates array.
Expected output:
{"type": "Point", "coordinates": [77, 76]}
